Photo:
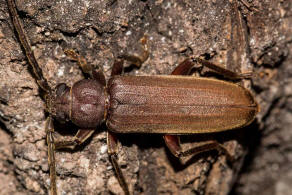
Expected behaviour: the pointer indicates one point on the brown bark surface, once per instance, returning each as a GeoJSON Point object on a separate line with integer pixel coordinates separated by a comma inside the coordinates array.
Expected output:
{"type": "Point", "coordinates": [241, 38]}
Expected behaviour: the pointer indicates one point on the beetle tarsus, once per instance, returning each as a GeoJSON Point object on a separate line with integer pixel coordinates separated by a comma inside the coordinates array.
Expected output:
{"type": "Point", "coordinates": [139, 55]}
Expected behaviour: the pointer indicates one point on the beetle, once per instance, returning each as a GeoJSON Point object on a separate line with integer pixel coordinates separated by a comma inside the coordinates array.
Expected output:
{"type": "Point", "coordinates": [169, 105]}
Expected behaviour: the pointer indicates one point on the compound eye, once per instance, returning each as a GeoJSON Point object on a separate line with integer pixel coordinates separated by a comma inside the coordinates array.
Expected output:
{"type": "Point", "coordinates": [61, 117]}
{"type": "Point", "coordinates": [61, 88]}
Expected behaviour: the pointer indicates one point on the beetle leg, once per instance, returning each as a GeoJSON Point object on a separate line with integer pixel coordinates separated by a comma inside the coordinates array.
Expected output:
{"type": "Point", "coordinates": [85, 67]}
{"type": "Point", "coordinates": [184, 68]}
{"type": "Point", "coordinates": [81, 136]}
{"type": "Point", "coordinates": [249, 6]}
{"type": "Point", "coordinates": [51, 154]}
{"type": "Point", "coordinates": [135, 57]}
{"type": "Point", "coordinates": [118, 67]}
{"type": "Point", "coordinates": [112, 144]}
{"type": "Point", "coordinates": [73, 55]}
{"type": "Point", "coordinates": [173, 143]}
{"type": "Point", "coordinates": [138, 53]}
{"type": "Point", "coordinates": [223, 71]}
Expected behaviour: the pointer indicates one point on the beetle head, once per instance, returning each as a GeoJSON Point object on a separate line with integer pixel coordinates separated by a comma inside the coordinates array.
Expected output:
{"type": "Point", "coordinates": [60, 106]}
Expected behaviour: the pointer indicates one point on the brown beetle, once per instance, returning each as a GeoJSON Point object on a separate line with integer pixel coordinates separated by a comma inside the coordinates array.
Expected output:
{"type": "Point", "coordinates": [168, 105]}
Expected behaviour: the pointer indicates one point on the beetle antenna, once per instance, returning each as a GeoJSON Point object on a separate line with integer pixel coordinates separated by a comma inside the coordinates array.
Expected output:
{"type": "Point", "coordinates": [42, 82]}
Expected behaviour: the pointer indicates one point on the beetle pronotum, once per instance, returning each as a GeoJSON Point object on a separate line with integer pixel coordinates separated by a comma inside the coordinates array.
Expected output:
{"type": "Point", "coordinates": [167, 105]}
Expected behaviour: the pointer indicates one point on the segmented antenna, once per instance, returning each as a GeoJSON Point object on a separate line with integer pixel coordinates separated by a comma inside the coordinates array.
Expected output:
{"type": "Point", "coordinates": [42, 82]}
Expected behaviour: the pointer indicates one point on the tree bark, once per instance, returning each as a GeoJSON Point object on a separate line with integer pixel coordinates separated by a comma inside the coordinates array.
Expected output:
{"type": "Point", "coordinates": [242, 37]}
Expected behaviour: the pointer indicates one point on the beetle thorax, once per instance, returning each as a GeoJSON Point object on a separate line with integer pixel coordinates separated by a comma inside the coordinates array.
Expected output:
{"type": "Point", "coordinates": [88, 103]}
{"type": "Point", "coordinates": [83, 103]}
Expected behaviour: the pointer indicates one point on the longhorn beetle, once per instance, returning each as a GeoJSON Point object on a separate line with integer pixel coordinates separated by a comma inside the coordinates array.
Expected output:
{"type": "Point", "coordinates": [167, 105]}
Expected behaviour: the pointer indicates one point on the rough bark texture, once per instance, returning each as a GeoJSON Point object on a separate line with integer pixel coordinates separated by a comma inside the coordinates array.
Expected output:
{"type": "Point", "coordinates": [228, 32]}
